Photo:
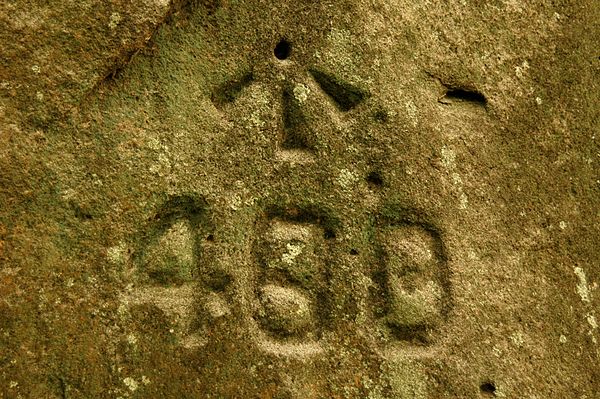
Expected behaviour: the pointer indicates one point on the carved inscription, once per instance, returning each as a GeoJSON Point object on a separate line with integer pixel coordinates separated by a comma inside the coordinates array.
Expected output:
{"type": "Point", "coordinates": [173, 257]}
{"type": "Point", "coordinates": [291, 255]}
{"type": "Point", "coordinates": [177, 262]}
{"type": "Point", "coordinates": [413, 281]}
{"type": "Point", "coordinates": [289, 311]}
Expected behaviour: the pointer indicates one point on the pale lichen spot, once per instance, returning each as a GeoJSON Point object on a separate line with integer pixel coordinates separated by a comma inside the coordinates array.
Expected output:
{"type": "Point", "coordinates": [132, 339]}
{"type": "Point", "coordinates": [256, 120]}
{"type": "Point", "coordinates": [412, 112]}
{"type": "Point", "coordinates": [153, 143]}
{"type": "Point", "coordinates": [457, 179]}
{"type": "Point", "coordinates": [562, 339]}
{"type": "Point", "coordinates": [122, 310]}
{"type": "Point", "coordinates": [301, 92]}
{"type": "Point", "coordinates": [591, 319]}
{"type": "Point", "coordinates": [562, 225]}
{"type": "Point", "coordinates": [115, 19]}
{"type": "Point", "coordinates": [520, 70]}
{"type": "Point", "coordinates": [118, 254]}
{"type": "Point", "coordinates": [497, 351]}
{"type": "Point", "coordinates": [448, 157]}
{"type": "Point", "coordinates": [347, 179]}
{"type": "Point", "coordinates": [517, 339]}
{"type": "Point", "coordinates": [235, 202]}
{"type": "Point", "coordinates": [293, 250]}
{"type": "Point", "coordinates": [162, 3]}
{"type": "Point", "coordinates": [131, 383]}
{"type": "Point", "coordinates": [464, 201]}
{"type": "Point", "coordinates": [582, 286]}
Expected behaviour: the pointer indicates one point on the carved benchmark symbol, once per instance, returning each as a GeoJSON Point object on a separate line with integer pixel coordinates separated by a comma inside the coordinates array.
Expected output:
{"type": "Point", "coordinates": [292, 257]}
{"type": "Point", "coordinates": [296, 134]}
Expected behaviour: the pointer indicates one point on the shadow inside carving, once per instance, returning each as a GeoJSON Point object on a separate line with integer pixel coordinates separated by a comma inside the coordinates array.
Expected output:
{"type": "Point", "coordinates": [229, 91]}
{"type": "Point", "coordinates": [344, 95]}
{"type": "Point", "coordinates": [296, 132]}
{"type": "Point", "coordinates": [457, 95]}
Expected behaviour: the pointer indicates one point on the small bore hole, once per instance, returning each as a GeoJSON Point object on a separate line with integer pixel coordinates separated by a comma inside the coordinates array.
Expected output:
{"type": "Point", "coordinates": [210, 238]}
{"type": "Point", "coordinates": [375, 179]}
{"type": "Point", "coordinates": [353, 252]}
{"type": "Point", "coordinates": [217, 280]}
{"type": "Point", "coordinates": [488, 389]}
{"type": "Point", "coordinates": [282, 50]}
{"type": "Point", "coordinates": [381, 116]}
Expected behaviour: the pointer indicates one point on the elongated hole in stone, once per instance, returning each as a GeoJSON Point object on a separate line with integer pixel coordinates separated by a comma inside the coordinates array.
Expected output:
{"type": "Point", "coordinates": [465, 96]}
{"type": "Point", "coordinates": [488, 389]}
{"type": "Point", "coordinates": [282, 50]}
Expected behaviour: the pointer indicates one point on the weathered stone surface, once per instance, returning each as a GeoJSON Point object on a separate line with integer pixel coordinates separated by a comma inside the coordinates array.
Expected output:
{"type": "Point", "coordinates": [353, 199]}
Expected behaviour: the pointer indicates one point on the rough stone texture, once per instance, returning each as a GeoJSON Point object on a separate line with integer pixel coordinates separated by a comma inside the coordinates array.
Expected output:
{"type": "Point", "coordinates": [366, 199]}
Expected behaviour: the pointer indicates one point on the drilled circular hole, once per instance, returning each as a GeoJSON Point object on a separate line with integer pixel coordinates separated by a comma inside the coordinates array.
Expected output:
{"type": "Point", "coordinates": [282, 50]}
{"type": "Point", "coordinates": [488, 389]}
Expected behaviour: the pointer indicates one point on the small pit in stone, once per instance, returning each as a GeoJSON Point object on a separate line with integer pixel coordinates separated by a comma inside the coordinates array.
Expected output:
{"type": "Point", "coordinates": [282, 50]}
{"type": "Point", "coordinates": [488, 390]}
{"type": "Point", "coordinates": [381, 116]}
{"type": "Point", "coordinates": [217, 280]}
{"type": "Point", "coordinates": [374, 179]}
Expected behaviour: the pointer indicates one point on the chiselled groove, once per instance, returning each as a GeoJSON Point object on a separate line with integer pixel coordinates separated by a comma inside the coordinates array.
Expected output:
{"type": "Point", "coordinates": [463, 95]}
{"type": "Point", "coordinates": [344, 95]}
{"type": "Point", "coordinates": [230, 90]}
{"type": "Point", "coordinates": [307, 214]}
{"type": "Point", "coordinates": [184, 9]}
{"type": "Point", "coordinates": [178, 207]}
{"type": "Point", "coordinates": [296, 131]}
